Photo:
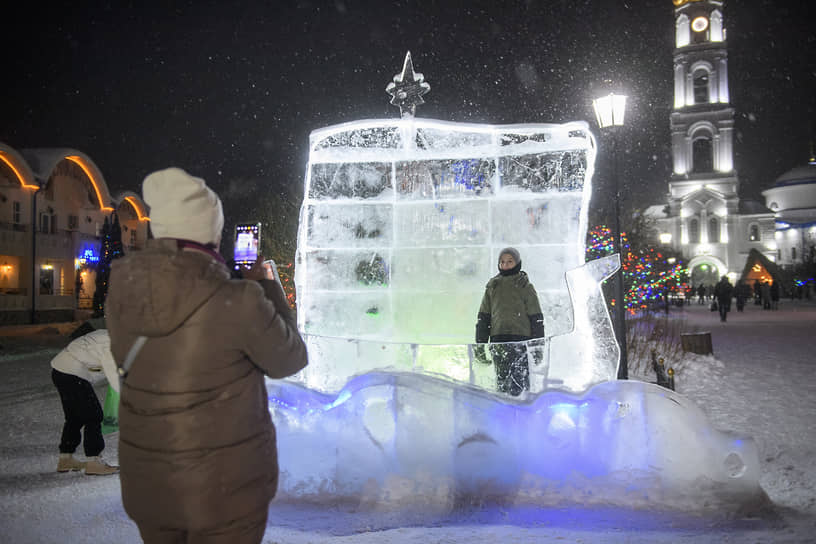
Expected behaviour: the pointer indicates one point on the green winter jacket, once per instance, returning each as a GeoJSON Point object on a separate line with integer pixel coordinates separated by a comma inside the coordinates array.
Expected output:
{"type": "Point", "coordinates": [509, 308]}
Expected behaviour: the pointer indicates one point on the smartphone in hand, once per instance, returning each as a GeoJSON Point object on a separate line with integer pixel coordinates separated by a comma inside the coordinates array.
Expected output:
{"type": "Point", "coordinates": [247, 244]}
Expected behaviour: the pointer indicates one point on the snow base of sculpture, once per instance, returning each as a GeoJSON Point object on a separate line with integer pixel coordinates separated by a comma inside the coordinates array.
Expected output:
{"type": "Point", "coordinates": [403, 440]}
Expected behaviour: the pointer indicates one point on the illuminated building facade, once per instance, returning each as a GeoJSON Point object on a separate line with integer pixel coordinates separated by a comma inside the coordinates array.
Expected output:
{"type": "Point", "coordinates": [705, 219]}
{"type": "Point", "coordinates": [53, 204]}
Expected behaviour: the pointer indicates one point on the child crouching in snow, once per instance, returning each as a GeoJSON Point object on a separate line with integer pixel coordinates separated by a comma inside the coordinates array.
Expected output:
{"type": "Point", "coordinates": [86, 359]}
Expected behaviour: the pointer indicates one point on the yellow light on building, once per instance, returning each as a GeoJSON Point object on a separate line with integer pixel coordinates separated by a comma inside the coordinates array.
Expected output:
{"type": "Point", "coordinates": [699, 24]}
{"type": "Point", "coordinates": [17, 173]}
{"type": "Point", "coordinates": [79, 162]}
{"type": "Point", "coordinates": [139, 212]}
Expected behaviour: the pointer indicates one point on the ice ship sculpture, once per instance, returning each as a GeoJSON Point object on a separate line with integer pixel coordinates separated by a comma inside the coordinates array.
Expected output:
{"type": "Point", "coordinates": [400, 228]}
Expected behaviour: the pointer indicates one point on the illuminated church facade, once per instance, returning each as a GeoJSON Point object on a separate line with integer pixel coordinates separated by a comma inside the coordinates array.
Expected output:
{"type": "Point", "coordinates": [704, 219]}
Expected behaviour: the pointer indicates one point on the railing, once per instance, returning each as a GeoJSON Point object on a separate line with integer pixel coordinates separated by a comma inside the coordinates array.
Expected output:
{"type": "Point", "coordinates": [11, 301]}
{"type": "Point", "coordinates": [57, 292]}
{"type": "Point", "coordinates": [13, 291]}
{"type": "Point", "coordinates": [473, 364]}
{"type": "Point", "coordinates": [17, 227]}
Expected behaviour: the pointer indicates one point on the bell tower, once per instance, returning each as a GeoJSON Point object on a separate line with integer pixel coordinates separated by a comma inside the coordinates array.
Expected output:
{"type": "Point", "coordinates": [705, 220]}
{"type": "Point", "coordinates": [703, 189]}
{"type": "Point", "coordinates": [702, 122]}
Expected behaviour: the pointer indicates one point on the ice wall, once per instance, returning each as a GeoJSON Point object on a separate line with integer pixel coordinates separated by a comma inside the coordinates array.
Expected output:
{"type": "Point", "coordinates": [411, 440]}
{"type": "Point", "coordinates": [400, 229]}
{"type": "Point", "coordinates": [402, 222]}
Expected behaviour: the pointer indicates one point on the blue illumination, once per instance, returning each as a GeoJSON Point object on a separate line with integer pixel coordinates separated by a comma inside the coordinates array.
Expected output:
{"type": "Point", "coordinates": [88, 256]}
{"type": "Point", "coordinates": [466, 173]}
{"type": "Point", "coordinates": [568, 407]}
{"type": "Point", "coordinates": [344, 395]}
{"type": "Point", "coordinates": [622, 442]}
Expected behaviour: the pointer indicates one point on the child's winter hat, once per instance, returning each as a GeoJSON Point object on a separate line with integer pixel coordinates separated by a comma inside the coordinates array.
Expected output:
{"type": "Point", "coordinates": [182, 206]}
{"type": "Point", "coordinates": [513, 252]}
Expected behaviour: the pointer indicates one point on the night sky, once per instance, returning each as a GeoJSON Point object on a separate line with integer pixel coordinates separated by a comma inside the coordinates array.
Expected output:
{"type": "Point", "coordinates": [232, 93]}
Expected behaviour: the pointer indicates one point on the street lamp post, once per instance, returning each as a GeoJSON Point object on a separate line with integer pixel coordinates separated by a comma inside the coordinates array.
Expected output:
{"type": "Point", "coordinates": [610, 110]}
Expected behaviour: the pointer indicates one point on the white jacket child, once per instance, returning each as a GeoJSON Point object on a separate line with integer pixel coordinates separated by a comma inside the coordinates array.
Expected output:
{"type": "Point", "coordinates": [89, 357]}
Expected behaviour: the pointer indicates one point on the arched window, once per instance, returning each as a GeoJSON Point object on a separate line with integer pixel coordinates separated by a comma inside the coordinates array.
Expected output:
{"type": "Point", "coordinates": [702, 155]}
{"type": "Point", "coordinates": [717, 32]}
{"type": "Point", "coordinates": [701, 86]}
{"type": "Point", "coordinates": [694, 231]}
{"type": "Point", "coordinates": [682, 34]}
{"type": "Point", "coordinates": [713, 230]}
{"type": "Point", "coordinates": [753, 233]}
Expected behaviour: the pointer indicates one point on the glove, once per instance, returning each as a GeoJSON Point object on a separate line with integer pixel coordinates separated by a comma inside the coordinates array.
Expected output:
{"type": "Point", "coordinates": [480, 355]}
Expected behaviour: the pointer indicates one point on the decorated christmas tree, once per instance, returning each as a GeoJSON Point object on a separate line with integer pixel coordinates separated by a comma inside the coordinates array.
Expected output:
{"type": "Point", "coordinates": [649, 274]}
{"type": "Point", "coordinates": [111, 249]}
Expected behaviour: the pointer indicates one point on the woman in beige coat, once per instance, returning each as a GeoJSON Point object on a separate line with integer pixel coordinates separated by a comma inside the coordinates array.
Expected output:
{"type": "Point", "coordinates": [197, 445]}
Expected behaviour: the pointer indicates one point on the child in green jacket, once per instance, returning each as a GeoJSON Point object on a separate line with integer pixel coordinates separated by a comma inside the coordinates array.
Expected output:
{"type": "Point", "coordinates": [509, 313]}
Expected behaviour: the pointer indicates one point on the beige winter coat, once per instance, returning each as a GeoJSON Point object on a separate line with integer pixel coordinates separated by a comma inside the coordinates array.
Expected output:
{"type": "Point", "coordinates": [197, 444]}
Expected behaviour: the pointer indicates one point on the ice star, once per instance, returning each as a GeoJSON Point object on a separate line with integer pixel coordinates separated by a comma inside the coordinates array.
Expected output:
{"type": "Point", "coordinates": [407, 88]}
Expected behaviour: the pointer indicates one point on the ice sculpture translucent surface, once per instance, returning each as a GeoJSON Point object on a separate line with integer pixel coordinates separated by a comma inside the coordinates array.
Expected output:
{"type": "Point", "coordinates": [401, 226]}
{"type": "Point", "coordinates": [413, 440]}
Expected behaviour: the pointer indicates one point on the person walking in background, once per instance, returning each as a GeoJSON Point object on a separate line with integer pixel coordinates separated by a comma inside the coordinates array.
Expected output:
{"type": "Point", "coordinates": [84, 361]}
{"type": "Point", "coordinates": [509, 313]}
{"type": "Point", "coordinates": [757, 293]}
{"type": "Point", "coordinates": [765, 291]}
{"type": "Point", "coordinates": [701, 293]}
{"type": "Point", "coordinates": [722, 294]}
{"type": "Point", "coordinates": [742, 292]}
{"type": "Point", "coordinates": [774, 290]}
{"type": "Point", "coordinates": [197, 444]}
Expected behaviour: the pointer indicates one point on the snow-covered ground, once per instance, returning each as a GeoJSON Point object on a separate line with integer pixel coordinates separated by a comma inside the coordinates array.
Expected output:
{"type": "Point", "coordinates": [760, 382]}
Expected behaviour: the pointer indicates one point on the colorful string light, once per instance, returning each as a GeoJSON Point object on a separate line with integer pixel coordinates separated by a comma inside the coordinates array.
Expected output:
{"type": "Point", "coordinates": [648, 276]}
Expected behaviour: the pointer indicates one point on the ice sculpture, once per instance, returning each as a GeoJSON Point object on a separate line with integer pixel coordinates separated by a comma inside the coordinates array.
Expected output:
{"type": "Point", "coordinates": [400, 440]}
{"type": "Point", "coordinates": [400, 229]}
{"type": "Point", "coordinates": [401, 226]}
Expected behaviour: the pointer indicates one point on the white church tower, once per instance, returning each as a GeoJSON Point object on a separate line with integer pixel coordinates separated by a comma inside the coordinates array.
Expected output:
{"type": "Point", "coordinates": [705, 219]}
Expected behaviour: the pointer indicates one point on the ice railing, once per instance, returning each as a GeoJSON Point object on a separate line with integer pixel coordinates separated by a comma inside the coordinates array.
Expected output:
{"type": "Point", "coordinates": [573, 362]}
{"type": "Point", "coordinates": [402, 222]}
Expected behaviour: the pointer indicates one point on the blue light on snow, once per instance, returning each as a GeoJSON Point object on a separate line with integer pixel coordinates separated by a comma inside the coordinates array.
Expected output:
{"type": "Point", "coordinates": [341, 398]}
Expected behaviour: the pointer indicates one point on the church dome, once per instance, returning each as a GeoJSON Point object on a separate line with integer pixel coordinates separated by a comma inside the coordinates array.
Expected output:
{"type": "Point", "coordinates": [793, 196]}
{"type": "Point", "coordinates": [797, 176]}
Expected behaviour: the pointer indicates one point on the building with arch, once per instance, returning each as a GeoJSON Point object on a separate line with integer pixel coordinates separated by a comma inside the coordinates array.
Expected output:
{"type": "Point", "coordinates": [704, 218]}
{"type": "Point", "coordinates": [53, 204]}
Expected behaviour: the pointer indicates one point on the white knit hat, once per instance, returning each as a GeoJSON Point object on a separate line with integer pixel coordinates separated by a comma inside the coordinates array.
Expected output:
{"type": "Point", "coordinates": [182, 206]}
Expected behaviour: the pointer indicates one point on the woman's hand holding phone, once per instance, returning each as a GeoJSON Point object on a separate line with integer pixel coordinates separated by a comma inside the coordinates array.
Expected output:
{"type": "Point", "coordinates": [258, 271]}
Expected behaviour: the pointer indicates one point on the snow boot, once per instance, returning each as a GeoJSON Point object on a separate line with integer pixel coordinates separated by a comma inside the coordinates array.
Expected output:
{"type": "Point", "coordinates": [97, 467]}
{"type": "Point", "coordinates": [67, 462]}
